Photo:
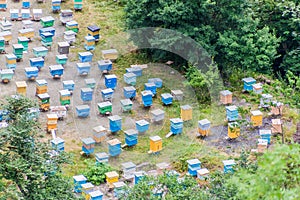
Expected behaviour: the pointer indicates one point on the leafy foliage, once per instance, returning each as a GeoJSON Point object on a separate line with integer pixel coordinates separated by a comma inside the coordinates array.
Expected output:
{"type": "Point", "coordinates": [96, 173]}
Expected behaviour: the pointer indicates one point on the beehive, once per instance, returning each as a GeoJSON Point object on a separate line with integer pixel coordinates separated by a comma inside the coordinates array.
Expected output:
{"type": "Point", "coordinates": [104, 65]}
{"type": "Point", "coordinates": [115, 123]}
{"type": "Point", "coordinates": [88, 145]}
{"type": "Point", "coordinates": [66, 16]}
{"type": "Point", "coordinates": [233, 130]}
{"type": "Point", "coordinates": [72, 25]}
{"type": "Point", "coordinates": [95, 195]}
{"type": "Point", "coordinates": [155, 144]}
{"type": "Point", "coordinates": [177, 95]}
{"type": "Point", "coordinates": [114, 147]}
{"type": "Point", "coordinates": [86, 189]}
{"type": "Point", "coordinates": [27, 24]}
{"type": "Point", "coordinates": [142, 126]}
{"type": "Point", "coordinates": [129, 92]}
{"type": "Point", "coordinates": [202, 174]}
{"type": "Point", "coordinates": [256, 118]}
{"type": "Point", "coordinates": [186, 112]}
{"type": "Point", "coordinates": [99, 134]}
{"type": "Point", "coordinates": [107, 94]}
{"type": "Point", "coordinates": [90, 83]}
{"type": "Point", "coordinates": [52, 122]}
{"type": "Point", "coordinates": [277, 108]}
{"type": "Point", "coordinates": [23, 41]}
{"type": "Point", "coordinates": [226, 97]}
{"type": "Point", "coordinates": [37, 62]}
{"type": "Point", "coordinates": [7, 35]}
{"type": "Point", "coordinates": [40, 51]}
{"type": "Point", "coordinates": [47, 21]}
{"type": "Point", "coordinates": [83, 68]}
{"type": "Point", "coordinates": [150, 87]}
{"type": "Point", "coordinates": [47, 39]}
{"type": "Point", "coordinates": [138, 176]}
{"type": "Point", "coordinates": [126, 105]}
{"type": "Point", "coordinates": [157, 81]}
{"type": "Point", "coordinates": [248, 83]}
{"type": "Point", "coordinates": [101, 157]}
{"type": "Point", "coordinates": [86, 94]}
{"type": "Point", "coordinates": [130, 78]}
{"type": "Point", "coordinates": [266, 135]}
{"type": "Point", "coordinates": [25, 4]}
{"type": "Point", "coordinates": [157, 115]}
{"type": "Point", "coordinates": [228, 166]}
{"type": "Point", "coordinates": [128, 170]}
{"type": "Point", "coordinates": [89, 43]}
{"type": "Point", "coordinates": [58, 144]}
{"type": "Point", "coordinates": [110, 81]}
{"type": "Point", "coordinates": [11, 61]}
{"type": "Point", "coordinates": [2, 44]}
{"type": "Point", "coordinates": [204, 127]}
{"type": "Point", "coordinates": [37, 14]}
{"type": "Point", "coordinates": [25, 13]}
{"type": "Point", "coordinates": [105, 107]}
{"type": "Point", "coordinates": [31, 72]}
{"type": "Point", "coordinates": [110, 54]}
{"type": "Point", "coordinates": [6, 75]}
{"type": "Point", "coordinates": [44, 100]}
{"type": "Point", "coordinates": [147, 98]}
{"type": "Point", "coordinates": [70, 36]}
{"type": "Point", "coordinates": [131, 137]}
{"type": "Point", "coordinates": [138, 71]}
{"type": "Point", "coordinates": [119, 189]}
{"type": "Point", "coordinates": [93, 30]}
{"type": "Point", "coordinates": [176, 126]}
{"type": "Point", "coordinates": [232, 113]}
{"type": "Point", "coordinates": [21, 87]}
{"type": "Point", "coordinates": [83, 111]}
{"type": "Point", "coordinates": [64, 97]}
{"type": "Point", "coordinates": [63, 47]}
{"type": "Point", "coordinates": [27, 32]}
{"type": "Point", "coordinates": [166, 98]}
{"type": "Point", "coordinates": [257, 88]}
{"type": "Point", "coordinates": [78, 181]}
{"type": "Point", "coordinates": [77, 4]}
{"type": "Point", "coordinates": [56, 71]}
{"type": "Point", "coordinates": [56, 5]}
{"type": "Point", "coordinates": [14, 14]}
{"type": "Point", "coordinates": [5, 25]}
{"type": "Point", "coordinates": [276, 126]}
{"type": "Point", "coordinates": [193, 166]}
{"type": "Point", "coordinates": [61, 59]}
{"type": "Point", "coordinates": [18, 51]}
{"type": "Point", "coordinates": [111, 177]}
{"type": "Point", "coordinates": [68, 85]}
{"type": "Point", "coordinates": [265, 100]}
{"type": "Point", "coordinates": [262, 145]}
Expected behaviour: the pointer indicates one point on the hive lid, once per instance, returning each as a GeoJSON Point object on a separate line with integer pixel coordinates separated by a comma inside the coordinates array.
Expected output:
{"type": "Point", "coordinates": [87, 185]}
{"type": "Point", "coordinates": [87, 53]}
{"type": "Point", "coordinates": [256, 112]}
{"type": "Point", "coordinates": [146, 93]}
{"type": "Point", "coordinates": [7, 71]}
{"type": "Point", "coordinates": [101, 155]}
{"type": "Point", "coordinates": [31, 69]}
{"type": "Point", "coordinates": [157, 112]}
{"type": "Point", "coordinates": [89, 37]}
{"type": "Point", "coordinates": [276, 121]}
{"type": "Point", "coordinates": [43, 96]}
{"type": "Point", "coordinates": [262, 142]}
{"type": "Point", "coordinates": [37, 11]}
{"type": "Point", "coordinates": [88, 141]}
{"type": "Point", "coordinates": [99, 129]}
{"type": "Point", "coordinates": [267, 96]}
{"type": "Point", "coordinates": [119, 184]}
{"type": "Point", "coordinates": [113, 142]}
{"type": "Point", "coordinates": [128, 165]}
{"type": "Point", "coordinates": [62, 56]}
{"type": "Point", "coordinates": [228, 162]}
{"type": "Point", "coordinates": [176, 120]}
{"type": "Point", "coordinates": [93, 28]}
{"type": "Point", "coordinates": [203, 171]}
{"type": "Point", "coordinates": [25, 11]}
{"type": "Point", "coordinates": [257, 86]}
{"type": "Point", "coordinates": [114, 118]}
{"type": "Point", "coordinates": [79, 178]}
{"type": "Point", "coordinates": [57, 140]}
{"type": "Point", "coordinates": [21, 84]}
{"type": "Point", "coordinates": [104, 104]}
{"type": "Point", "coordinates": [18, 46]}
{"type": "Point", "coordinates": [249, 79]}
{"type": "Point", "coordinates": [14, 10]}
{"type": "Point", "coordinates": [68, 82]}
{"type": "Point", "coordinates": [5, 33]}
{"type": "Point", "coordinates": [47, 18]}
{"type": "Point", "coordinates": [22, 38]}
{"type": "Point", "coordinates": [58, 108]}
{"type": "Point", "coordinates": [231, 108]}
{"type": "Point", "coordinates": [90, 81]}
{"type": "Point", "coordinates": [71, 23]}
{"type": "Point", "coordinates": [56, 67]}
{"type": "Point", "coordinates": [264, 132]}
{"type": "Point", "coordinates": [126, 102]}
{"type": "Point", "coordinates": [163, 165]}
{"type": "Point", "coordinates": [46, 34]}
{"type": "Point", "coordinates": [39, 48]}
{"type": "Point", "coordinates": [155, 138]}
{"type": "Point", "coordinates": [86, 90]}
{"type": "Point", "coordinates": [193, 161]}
{"type": "Point", "coordinates": [186, 107]}
{"type": "Point", "coordinates": [110, 51]}
{"type": "Point", "coordinates": [110, 76]}
{"type": "Point", "coordinates": [176, 92]}
{"type": "Point", "coordinates": [112, 174]}
{"type": "Point", "coordinates": [140, 173]}
{"type": "Point", "coordinates": [36, 59]}
{"type": "Point", "coordinates": [69, 32]}
{"type": "Point", "coordinates": [64, 92]}
{"type": "Point", "coordinates": [131, 132]}
{"type": "Point", "coordinates": [104, 62]}
{"type": "Point", "coordinates": [11, 56]}
{"type": "Point", "coordinates": [150, 84]}
{"type": "Point", "coordinates": [129, 88]}
{"type": "Point", "coordinates": [63, 44]}
{"type": "Point", "coordinates": [52, 116]}
{"type": "Point", "coordinates": [166, 95]}
{"type": "Point", "coordinates": [225, 92]}
{"type": "Point", "coordinates": [142, 122]}
{"type": "Point", "coordinates": [108, 90]}
{"type": "Point", "coordinates": [82, 107]}
{"type": "Point", "coordinates": [203, 122]}
{"type": "Point", "coordinates": [84, 64]}
{"type": "Point", "coordinates": [129, 75]}
{"type": "Point", "coordinates": [27, 22]}
{"type": "Point", "coordinates": [96, 193]}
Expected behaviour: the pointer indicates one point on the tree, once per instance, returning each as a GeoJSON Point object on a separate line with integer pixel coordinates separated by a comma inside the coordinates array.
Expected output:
{"type": "Point", "coordinates": [26, 163]}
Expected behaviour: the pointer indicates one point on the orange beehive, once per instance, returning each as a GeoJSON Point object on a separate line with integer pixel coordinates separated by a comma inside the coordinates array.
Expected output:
{"type": "Point", "coordinates": [276, 126]}
{"type": "Point", "coordinates": [233, 130]}
{"type": "Point", "coordinates": [186, 112]}
{"type": "Point", "coordinates": [226, 97]}
{"type": "Point", "coordinates": [111, 177]}
{"type": "Point", "coordinates": [21, 87]}
{"type": "Point", "coordinates": [155, 144]}
{"type": "Point", "coordinates": [256, 118]}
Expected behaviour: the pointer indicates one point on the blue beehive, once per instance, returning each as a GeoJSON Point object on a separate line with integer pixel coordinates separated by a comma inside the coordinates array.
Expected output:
{"type": "Point", "coordinates": [47, 29]}
{"type": "Point", "coordinates": [3, 5]}
{"type": "Point", "coordinates": [31, 72]}
{"type": "Point", "coordinates": [40, 51]}
{"type": "Point", "coordinates": [105, 65]}
{"type": "Point", "coordinates": [83, 110]}
{"type": "Point", "coordinates": [110, 81]}
{"type": "Point", "coordinates": [56, 5]}
{"type": "Point", "coordinates": [107, 94]}
{"type": "Point", "coordinates": [11, 61]}
{"type": "Point", "coordinates": [151, 87]}
{"type": "Point", "coordinates": [138, 176]}
{"type": "Point", "coordinates": [136, 70]}
{"type": "Point", "coordinates": [58, 144]}
{"type": "Point", "coordinates": [89, 43]}
{"type": "Point", "coordinates": [25, 4]}
{"type": "Point", "coordinates": [85, 56]}
{"type": "Point", "coordinates": [119, 189]}
{"type": "Point", "coordinates": [47, 39]}
{"type": "Point", "coordinates": [56, 70]}
{"type": "Point", "coordinates": [204, 124]}
{"type": "Point", "coordinates": [266, 135]}
{"type": "Point", "coordinates": [83, 68]}
{"type": "Point", "coordinates": [157, 81]}
{"type": "Point", "coordinates": [193, 166]}
{"type": "Point", "coordinates": [86, 94]}
{"type": "Point", "coordinates": [232, 113]}
{"type": "Point", "coordinates": [176, 126]}
{"type": "Point", "coordinates": [129, 92]}
{"type": "Point", "coordinates": [130, 78]}
{"type": "Point", "coordinates": [101, 158]}
{"type": "Point", "coordinates": [147, 98]}
{"type": "Point", "coordinates": [96, 195]}
{"type": "Point", "coordinates": [228, 166]}
{"type": "Point", "coordinates": [69, 85]}
{"type": "Point", "coordinates": [167, 98]}
{"type": "Point", "coordinates": [142, 125]}
{"type": "Point", "coordinates": [248, 83]}
{"type": "Point", "coordinates": [37, 62]}
{"type": "Point", "coordinates": [78, 181]}
{"type": "Point", "coordinates": [14, 14]}
{"type": "Point", "coordinates": [131, 137]}
{"type": "Point", "coordinates": [25, 13]}
{"type": "Point", "coordinates": [115, 123]}
{"type": "Point", "coordinates": [90, 82]}
{"type": "Point", "coordinates": [114, 147]}
{"type": "Point", "coordinates": [88, 145]}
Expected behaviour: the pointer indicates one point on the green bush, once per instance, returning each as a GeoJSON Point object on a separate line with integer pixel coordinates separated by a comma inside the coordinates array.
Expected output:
{"type": "Point", "coordinates": [96, 173]}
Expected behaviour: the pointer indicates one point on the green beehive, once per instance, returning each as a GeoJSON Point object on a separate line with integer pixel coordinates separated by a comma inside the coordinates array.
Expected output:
{"type": "Point", "coordinates": [90, 83]}
{"type": "Point", "coordinates": [61, 59]}
{"type": "Point", "coordinates": [2, 44]}
{"type": "Point", "coordinates": [24, 41]}
{"type": "Point", "coordinates": [47, 21]}
{"type": "Point", "coordinates": [126, 105]}
{"type": "Point", "coordinates": [105, 107]}
{"type": "Point", "coordinates": [18, 51]}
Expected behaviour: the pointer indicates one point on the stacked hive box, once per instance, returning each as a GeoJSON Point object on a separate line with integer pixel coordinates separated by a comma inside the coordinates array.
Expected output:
{"type": "Point", "coordinates": [155, 144]}
{"type": "Point", "coordinates": [150, 87]}
{"type": "Point", "coordinates": [166, 98]}
{"type": "Point", "coordinates": [176, 126]}
{"type": "Point", "coordinates": [138, 71]}
{"type": "Point", "coordinates": [86, 94]}
{"type": "Point", "coordinates": [126, 105]}
{"type": "Point", "coordinates": [277, 108]}
{"type": "Point", "coordinates": [77, 5]}
{"type": "Point", "coordinates": [115, 123]}
{"type": "Point", "coordinates": [47, 39]}
{"type": "Point", "coordinates": [87, 188]}
{"type": "Point", "coordinates": [131, 137]}
{"type": "Point", "coordinates": [40, 51]}
{"type": "Point", "coordinates": [27, 24]}
{"type": "Point", "coordinates": [256, 118]}
{"type": "Point", "coordinates": [11, 61]}
{"type": "Point", "coordinates": [14, 14]}
{"type": "Point", "coordinates": [228, 166]}
{"type": "Point", "coordinates": [90, 83]}
{"type": "Point", "coordinates": [95, 195]}
{"type": "Point", "coordinates": [73, 26]}
{"type": "Point", "coordinates": [265, 100]}
{"type": "Point", "coordinates": [226, 97]}
{"type": "Point", "coordinates": [56, 5]}
{"type": "Point", "coordinates": [107, 94]}
{"type": "Point", "coordinates": [99, 134]}
{"type": "Point", "coordinates": [203, 127]}
{"type": "Point", "coordinates": [27, 32]}
{"type": "Point", "coordinates": [257, 88]}
{"type": "Point", "coordinates": [248, 83]}
{"type": "Point", "coordinates": [66, 16]}
{"type": "Point", "coordinates": [104, 66]}
{"type": "Point", "coordinates": [52, 122]}
{"type": "Point", "coordinates": [83, 68]}
{"type": "Point", "coordinates": [3, 4]}
{"type": "Point", "coordinates": [7, 35]}
{"type": "Point", "coordinates": [58, 144]}
{"type": "Point", "coordinates": [5, 25]}
{"type": "Point", "coordinates": [105, 107]}
{"type": "Point", "coordinates": [89, 43]}
{"type": "Point", "coordinates": [83, 111]}
{"type": "Point", "coordinates": [78, 181]}
{"type": "Point", "coordinates": [130, 92]}
{"type": "Point", "coordinates": [37, 14]}
{"type": "Point", "coordinates": [157, 115]}
{"type": "Point", "coordinates": [262, 145]}
{"type": "Point", "coordinates": [6, 75]}
{"type": "Point", "coordinates": [157, 81]}
{"type": "Point", "coordinates": [44, 100]}
{"type": "Point", "coordinates": [147, 98]}
{"type": "Point", "coordinates": [2, 45]}
{"type": "Point", "coordinates": [193, 166]}
{"type": "Point", "coordinates": [23, 41]}
{"type": "Point", "coordinates": [266, 135]}
{"type": "Point", "coordinates": [111, 177]}
{"type": "Point", "coordinates": [114, 147]}
{"type": "Point", "coordinates": [94, 31]}
{"type": "Point", "coordinates": [110, 81]}
{"type": "Point", "coordinates": [47, 21]}
{"type": "Point", "coordinates": [130, 78]}
{"type": "Point", "coordinates": [128, 170]}
{"type": "Point", "coordinates": [186, 112]}
{"type": "Point", "coordinates": [37, 62]}
{"type": "Point", "coordinates": [18, 51]}
{"type": "Point", "coordinates": [232, 113]}
{"type": "Point", "coordinates": [69, 85]}
{"type": "Point", "coordinates": [142, 126]}
{"type": "Point", "coordinates": [88, 145]}
{"type": "Point", "coordinates": [64, 97]}
{"type": "Point", "coordinates": [21, 87]}
{"type": "Point", "coordinates": [70, 36]}
{"type": "Point", "coordinates": [233, 130]}
{"type": "Point", "coordinates": [101, 158]}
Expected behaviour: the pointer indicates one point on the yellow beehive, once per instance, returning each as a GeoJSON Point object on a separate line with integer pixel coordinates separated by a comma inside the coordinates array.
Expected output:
{"type": "Point", "coordinates": [226, 97]}
{"type": "Point", "coordinates": [63, 98]}
{"type": "Point", "coordinates": [233, 130]}
{"type": "Point", "coordinates": [112, 177]}
{"type": "Point", "coordinates": [276, 126]}
{"type": "Point", "coordinates": [11, 61]}
{"type": "Point", "coordinates": [51, 126]}
{"type": "Point", "coordinates": [21, 87]}
{"type": "Point", "coordinates": [41, 89]}
{"type": "Point", "coordinates": [86, 189]}
{"type": "Point", "coordinates": [203, 132]}
{"type": "Point", "coordinates": [256, 118]}
{"type": "Point", "coordinates": [90, 43]}
{"type": "Point", "coordinates": [52, 118]}
{"type": "Point", "coordinates": [186, 112]}
{"type": "Point", "coordinates": [45, 106]}
{"type": "Point", "coordinates": [155, 144]}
